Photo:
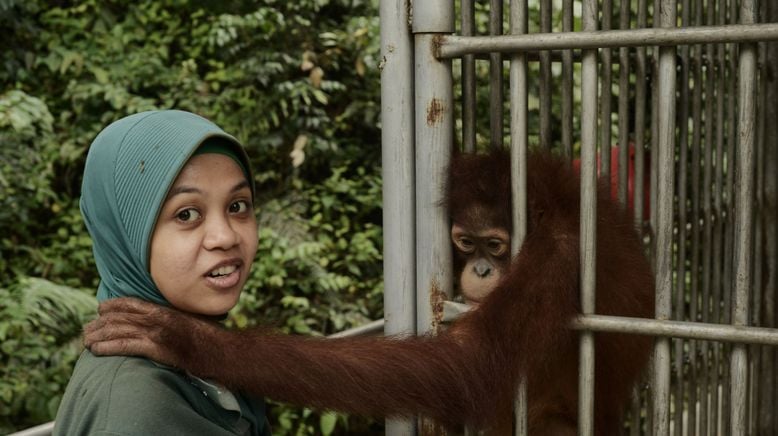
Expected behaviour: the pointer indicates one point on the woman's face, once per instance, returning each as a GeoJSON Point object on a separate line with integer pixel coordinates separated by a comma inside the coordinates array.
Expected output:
{"type": "Point", "coordinates": [205, 237]}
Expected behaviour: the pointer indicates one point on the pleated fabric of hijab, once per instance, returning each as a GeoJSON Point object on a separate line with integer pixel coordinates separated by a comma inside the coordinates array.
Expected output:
{"type": "Point", "coordinates": [129, 170]}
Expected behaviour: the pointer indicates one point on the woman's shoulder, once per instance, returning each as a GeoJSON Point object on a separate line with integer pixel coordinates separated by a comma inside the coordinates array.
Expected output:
{"type": "Point", "coordinates": [131, 396]}
{"type": "Point", "coordinates": [124, 395]}
{"type": "Point", "coordinates": [108, 376]}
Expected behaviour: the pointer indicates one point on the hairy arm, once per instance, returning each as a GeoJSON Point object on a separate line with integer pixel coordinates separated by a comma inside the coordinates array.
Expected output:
{"type": "Point", "coordinates": [467, 376]}
{"type": "Point", "coordinates": [438, 377]}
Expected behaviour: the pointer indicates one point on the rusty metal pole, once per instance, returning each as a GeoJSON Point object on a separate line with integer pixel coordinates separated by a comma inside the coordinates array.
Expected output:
{"type": "Point", "coordinates": [398, 180]}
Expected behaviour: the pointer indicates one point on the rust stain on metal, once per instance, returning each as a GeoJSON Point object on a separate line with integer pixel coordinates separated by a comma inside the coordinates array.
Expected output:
{"type": "Point", "coordinates": [428, 427]}
{"type": "Point", "coordinates": [435, 111]}
{"type": "Point", "coordinates": [437, 298]}
{"type": "Point", "coordinates": [437, 42]}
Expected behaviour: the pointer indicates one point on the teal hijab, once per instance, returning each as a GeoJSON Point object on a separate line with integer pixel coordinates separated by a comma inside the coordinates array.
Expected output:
{"type": "Point", "coordinates": [129, 170]}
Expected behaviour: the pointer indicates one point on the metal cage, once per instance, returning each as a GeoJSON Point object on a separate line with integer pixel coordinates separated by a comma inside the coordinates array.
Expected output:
{"type": "Point", "coordinates": [691, 85]}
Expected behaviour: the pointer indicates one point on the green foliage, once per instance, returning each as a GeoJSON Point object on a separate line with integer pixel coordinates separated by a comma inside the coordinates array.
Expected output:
{"type": "Point", "coordinates": [296, 82]}
{"type": "Point", "coordinates": [40, 333]}
{"type": "Point", "coordinates": [319, 256]}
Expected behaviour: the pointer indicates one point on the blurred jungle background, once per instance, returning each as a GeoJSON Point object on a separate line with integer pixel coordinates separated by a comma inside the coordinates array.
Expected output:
{"type": "Point", "coordinates": [296, 81]}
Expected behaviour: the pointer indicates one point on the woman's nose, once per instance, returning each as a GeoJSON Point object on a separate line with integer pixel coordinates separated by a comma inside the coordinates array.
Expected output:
{"type": "Point", "coordinates": [220, 234]}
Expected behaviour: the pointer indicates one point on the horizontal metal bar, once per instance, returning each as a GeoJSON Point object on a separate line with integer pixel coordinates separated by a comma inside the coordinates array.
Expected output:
{"type": "Point", "coordinates": [38, 430]}
{"type": "Point", "coordinates": [451, 46]}
{"type": "Point", "coordinates": [371, 328]}
{"type": "Point", "coordinates": [620, 324]}
{"type": "Point", "coordinates": [677, 329]}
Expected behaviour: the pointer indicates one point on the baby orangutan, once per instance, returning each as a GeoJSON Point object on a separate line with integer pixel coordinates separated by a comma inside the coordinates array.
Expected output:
{"type": "Point", "coordinates": [464, 376]}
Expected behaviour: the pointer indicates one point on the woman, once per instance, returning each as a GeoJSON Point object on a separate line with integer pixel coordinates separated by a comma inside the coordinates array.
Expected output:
{"type": "Point", "coordinates": [167, 198]}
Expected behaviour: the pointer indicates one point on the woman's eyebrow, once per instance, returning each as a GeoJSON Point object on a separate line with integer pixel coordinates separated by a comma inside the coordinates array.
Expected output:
{"type": "Point", "coordinates": [184, 189]}
{"type": "Point", "coordinates": [239, 186]}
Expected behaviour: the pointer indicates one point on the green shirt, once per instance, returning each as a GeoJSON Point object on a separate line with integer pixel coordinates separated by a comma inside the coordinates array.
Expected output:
{"type": "Point", "coordinates": [130, 396]}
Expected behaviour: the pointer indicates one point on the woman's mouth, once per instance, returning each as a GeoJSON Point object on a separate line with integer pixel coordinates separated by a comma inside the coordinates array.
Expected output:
{"type": "Point", "coordinates": [223, 271]}
{"type": "Point", "coordinates": [223, 277]}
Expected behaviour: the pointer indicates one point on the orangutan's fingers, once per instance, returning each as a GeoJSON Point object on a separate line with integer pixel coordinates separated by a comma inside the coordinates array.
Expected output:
{"type": "Point", "coordinates": [123, 347]}
{"type": "Point", "coordinates": [91, 327]}
{"type": "Point", "coordinates": [117, 326]}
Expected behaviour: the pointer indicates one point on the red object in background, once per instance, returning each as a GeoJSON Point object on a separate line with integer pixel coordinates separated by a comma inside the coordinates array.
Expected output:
{"type": "Point", "coordinates": [630, 178]}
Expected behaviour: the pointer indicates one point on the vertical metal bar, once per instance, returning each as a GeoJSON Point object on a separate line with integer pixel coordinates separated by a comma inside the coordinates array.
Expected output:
{"type": "Point", "coordinates": [635, 409]}
{"type": "Point", "coordinates": [606, 72]}
{"type": "Point", "coordinates": [758, 353]}
{"type": "Point", "coordinates": [495, 77]}
{"type": "Point", "coordinates": [398, 175]}
{"type": "Point", "coordinates": [729, 189]}
{"type": "Point", "coordinates": [769, 112]}
{"type": "Point", "coordinates": [434, 139]}
{"type": "Point", "coordinates": [709, 244]}
{"type": "Point", "coordinates": [744, 212]}
{"type": "Point", "coordinates": [432, 16]}
{"type": "Point", "coordinates": [696, 373]}
{"type": "Point", "coordinates": [640, 167]}
{"type": "Point", "coordinates": [567, 83]}
{"type": "Point", "coordinates": [434, 123]}
{"type": "Point", "coordinates": [640, 122]}
{"type": "Point", "coordinates": [717, 63]}
{"type": "Point", "coordinates": [769, 56]}
{"type": "Point", "coordinates": [588, 220]}
{"type": "Point", "coordinates": [664, 228]}
{"type": "Point", "coordinates": [519, 140]}
{"type": "Point", "coordinates": [719, 230]}
{"type": "Point", "coordinates": [683, 242]}
{"type": "Point", "coordinates": [624, 151]}
{"type": "Point", "coordinates": [707, 390]}
{"type": "Point", "coordinates": [654, 130]}
{"type": "Point", "coordinates": [545, 79]}
{"type": "Point", "coordinates": [468, 80]}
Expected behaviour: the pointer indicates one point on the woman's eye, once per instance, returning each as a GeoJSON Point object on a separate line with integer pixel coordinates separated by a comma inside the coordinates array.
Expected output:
{"type": "Point", "coordinates": [239, 207]}
{"type": "Point", "coordinates": [188, 215]}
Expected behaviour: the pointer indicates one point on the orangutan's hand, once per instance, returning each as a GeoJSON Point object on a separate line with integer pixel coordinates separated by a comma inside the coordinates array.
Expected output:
{"type": "Point", "coordinates": [131, 327]}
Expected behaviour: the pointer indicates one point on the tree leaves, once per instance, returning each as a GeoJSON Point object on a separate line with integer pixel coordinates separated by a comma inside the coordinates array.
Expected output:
{"type": "Point", "coordinates": [67, 69]}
